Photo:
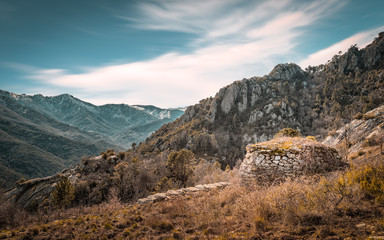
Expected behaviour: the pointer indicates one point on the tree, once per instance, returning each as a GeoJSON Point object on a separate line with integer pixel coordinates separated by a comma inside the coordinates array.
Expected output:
{"type": "Point", "coordinates": [63, 194]}
{"type": "Point", "coordinates": [179, 165]}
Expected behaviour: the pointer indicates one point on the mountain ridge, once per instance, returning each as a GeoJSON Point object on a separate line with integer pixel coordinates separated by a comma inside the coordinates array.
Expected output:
{"type": "Point", "coordinates": [314, 101]}
{"type": "Point", "coordinates": [108, 120]}
{"type": "Point", "coordinates": [42, 135]}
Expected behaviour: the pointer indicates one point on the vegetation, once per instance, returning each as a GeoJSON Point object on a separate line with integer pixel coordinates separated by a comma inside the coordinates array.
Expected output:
{"type": "Point", "coordinates": [63, 194]}
{"type": "Point", "coordinates": [180, 165]}
{"type": "Point", "coordinates": [305, 208]}
{"type": "Point", "coordinates": [288, 132]}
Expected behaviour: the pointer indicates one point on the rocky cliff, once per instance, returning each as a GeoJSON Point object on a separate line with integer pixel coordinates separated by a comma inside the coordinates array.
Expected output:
{"type": "Point", "coordinates": [367, 130]}
{"type": "Point", "coordinates": [314, 101]}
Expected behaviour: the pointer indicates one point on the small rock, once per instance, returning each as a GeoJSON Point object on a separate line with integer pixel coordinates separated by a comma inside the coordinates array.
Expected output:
{"type": "Point", "coordinates": [144, 200]}
{"type": "Point", "coordinates": [360, 225]}
{"type": "Point", "coordinates": [160, 196]}
{"type": "Point", "coordinates": [210, 186]}
{"type": "Point", "coordinates": [191, 189]}
{"type": "Point", "coordinates": [200, 187]}
{"type": "Point", "coordinates": [172, 192]}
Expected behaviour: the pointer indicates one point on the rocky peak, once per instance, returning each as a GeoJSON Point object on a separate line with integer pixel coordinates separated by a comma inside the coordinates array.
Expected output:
{"type": "Point", "coordinates": [254, 109]}
{"type": "Point", "coordinates": [355, 60]}
{"type": "Point", "coordinates": [286, 71]}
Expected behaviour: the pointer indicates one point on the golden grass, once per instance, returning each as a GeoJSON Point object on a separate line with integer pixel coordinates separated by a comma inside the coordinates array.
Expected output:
{"type": "Point", "coordinates": [316, 207]}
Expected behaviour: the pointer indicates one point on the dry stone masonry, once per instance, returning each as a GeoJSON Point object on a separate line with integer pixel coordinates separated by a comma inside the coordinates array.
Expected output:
{"type": "Point", "coordinates": [183, 191]}
{"type": "Point", "coordinates": [288, 157]}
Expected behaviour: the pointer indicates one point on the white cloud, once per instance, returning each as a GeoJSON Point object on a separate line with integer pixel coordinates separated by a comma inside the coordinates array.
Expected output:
{"type": "Point", "coordinates": [238, 37]}
{"type": "Point", "coordinates": [321, 57]}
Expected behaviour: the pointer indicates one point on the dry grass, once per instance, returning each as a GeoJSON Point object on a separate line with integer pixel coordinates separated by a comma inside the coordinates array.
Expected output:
{"type": "Point", "coordinates": [316, 207]}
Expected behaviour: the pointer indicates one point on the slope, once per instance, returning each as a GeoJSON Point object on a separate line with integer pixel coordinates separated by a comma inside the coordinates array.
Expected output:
{"type": "Point", "coordinates": [109, 120]}
{"type": "Point", "coordinates": [316, 100]}
{"type": "Point", "coordinates": [33, 145]}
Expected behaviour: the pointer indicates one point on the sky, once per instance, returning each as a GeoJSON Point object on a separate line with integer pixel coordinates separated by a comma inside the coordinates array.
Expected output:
{"type": "Point", "coordinates": [169, 53]}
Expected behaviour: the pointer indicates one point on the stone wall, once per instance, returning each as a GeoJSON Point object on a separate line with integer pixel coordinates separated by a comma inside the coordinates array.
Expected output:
{"type": "Point", "coordinates": [183, 191]}
{"type": "Point", "coordinates": [288, 157]}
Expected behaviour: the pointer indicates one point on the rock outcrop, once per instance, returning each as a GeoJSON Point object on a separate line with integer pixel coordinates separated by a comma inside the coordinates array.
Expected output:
{"type": "Point", "coordinates": [251, 110]}
{"type": "Point", "coordinates": [288, 157]}
{"type": "Point", "coordinates": [360, 132]}
{"type": "Point", "coordinates": [95, 171]}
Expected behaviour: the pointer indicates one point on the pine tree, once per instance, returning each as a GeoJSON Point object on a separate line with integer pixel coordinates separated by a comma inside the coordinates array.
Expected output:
{"type": "Point", "coordinates": [179, 165]}
{"type": "Point", "coordinates": [63, 194]}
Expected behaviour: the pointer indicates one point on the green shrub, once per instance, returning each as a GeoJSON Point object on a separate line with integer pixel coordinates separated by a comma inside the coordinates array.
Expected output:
{"type": "Point", "coordinates": [288, 132]}
{"type": "Point", "coordinates": [63, 194]}
{"type": "Point", "coordinates": [179, 165]}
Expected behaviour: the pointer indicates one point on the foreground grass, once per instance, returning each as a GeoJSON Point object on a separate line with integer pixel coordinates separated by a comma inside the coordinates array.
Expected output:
{"type": "Point", "coordinates": [341, 205]}
{"type": "Point", "coordinates": [278, 212]}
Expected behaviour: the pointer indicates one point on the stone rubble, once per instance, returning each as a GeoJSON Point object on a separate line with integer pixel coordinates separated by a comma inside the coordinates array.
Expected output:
{"type": "Point", "coordinates": [183, 191]}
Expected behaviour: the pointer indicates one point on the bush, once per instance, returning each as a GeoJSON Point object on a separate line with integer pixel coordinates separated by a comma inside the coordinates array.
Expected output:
{"type": "Point", "coordinates": [371, 180]}
{"type": "Point", "coordinates": [179, 165]}
{"type": "Point", "coordinates": [358, 116]}
{"type": "Point", "coordinates": [311, 138]}
{"type": "Point", "coordinates": [63, 194]}
{"type": "Point", "coordinates": [288, 132]}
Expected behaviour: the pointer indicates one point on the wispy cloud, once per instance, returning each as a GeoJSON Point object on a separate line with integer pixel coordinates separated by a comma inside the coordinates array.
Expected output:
{"type": "Point", "coordinates": [234, 39]}
{"type": "Point", "coordinates": [362, 39]}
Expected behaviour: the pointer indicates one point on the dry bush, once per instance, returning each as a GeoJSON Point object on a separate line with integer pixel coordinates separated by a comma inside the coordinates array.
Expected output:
{"type": "Point", "coordinates": [7, 212]}
{"type": "Point", "coordinates": [206, 172]}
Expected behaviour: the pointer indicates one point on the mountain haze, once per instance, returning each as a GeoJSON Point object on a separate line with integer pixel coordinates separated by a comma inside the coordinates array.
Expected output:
{"type": "Point", "coordinates": [42, 135]}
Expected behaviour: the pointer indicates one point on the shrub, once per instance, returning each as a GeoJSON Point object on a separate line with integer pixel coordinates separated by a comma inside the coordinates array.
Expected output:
{"type": "Point", "coordinates": [63, 194]}
{"type": "Point", "coordinates": [358, 116]}
{"type": "Point", "coordinates": [121, 155]}
{"type": "Point", "coordinates": [311, 138]}
{"type": "Point", "coordinates": [108, 153]}
{"type": "Point", "coordinates": [371, 180]}
{"type": "Point", "coordinates": [288, 132]}
{"type": "Point", "coordinates": [179, 165]}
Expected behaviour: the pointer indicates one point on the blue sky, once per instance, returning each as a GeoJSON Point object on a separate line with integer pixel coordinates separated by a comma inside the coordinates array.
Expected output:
{"type": "Point", "coordinates": [169, 53]}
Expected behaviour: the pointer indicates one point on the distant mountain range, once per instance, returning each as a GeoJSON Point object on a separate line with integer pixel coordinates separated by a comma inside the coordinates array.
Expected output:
{"type": "Point", "coordinates": [42, 135]}
{"type": "Point", "coordinates": [316, 101]}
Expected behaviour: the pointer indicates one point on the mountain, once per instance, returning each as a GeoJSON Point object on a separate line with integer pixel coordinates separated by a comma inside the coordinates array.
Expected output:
{"type": "Point", "coordinates": [314, 101]}
{"type": "Point", "coordinates": [113, 121]}
{"type": "Point", "coordinates": [317, 101]}
{"type": "Point", "coordinates": [43, 135]}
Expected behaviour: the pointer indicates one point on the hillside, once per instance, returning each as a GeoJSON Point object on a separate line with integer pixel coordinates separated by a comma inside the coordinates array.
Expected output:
{"type": "Point", "coordinates": [345, 204]}
{"type": "Point", "coordinates": [314, 101]}
{"type": "Point", "coordinates": [112, 121]}
{"type": "Point", "coordinates": [217, 130]}
{"type": "Point", "coordinates": [43, 135]}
